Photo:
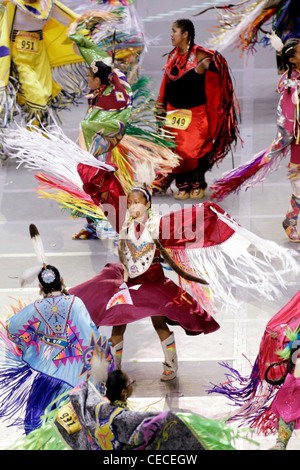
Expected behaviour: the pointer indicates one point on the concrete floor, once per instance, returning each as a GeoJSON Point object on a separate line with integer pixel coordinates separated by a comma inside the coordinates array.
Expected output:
{"type": "Point", "coordinates": [260, 210]}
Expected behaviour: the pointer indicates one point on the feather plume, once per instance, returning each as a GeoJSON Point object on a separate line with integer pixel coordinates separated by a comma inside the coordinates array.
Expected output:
{"type": "Point", "coordinates": [37, 243]}
{"type": "Point", "coordinates": [29, 275]}
{"type": "Point", "coordinates": [275, 41]}
{"type": "Point", "coordinates": [99, 366]}
{"type": "Point", "coordinates": [144, 172]}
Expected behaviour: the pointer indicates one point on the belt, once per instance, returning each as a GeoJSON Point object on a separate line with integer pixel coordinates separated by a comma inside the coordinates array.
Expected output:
{"type": "Point", "coordinates": [16, 32]}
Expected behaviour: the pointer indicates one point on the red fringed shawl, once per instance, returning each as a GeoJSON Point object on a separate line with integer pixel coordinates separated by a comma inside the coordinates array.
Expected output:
{"type": "Point", "coordinates": [222, 105]}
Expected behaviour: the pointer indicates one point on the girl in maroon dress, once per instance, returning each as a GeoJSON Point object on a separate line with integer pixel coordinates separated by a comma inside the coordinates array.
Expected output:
{"type": "Point", "coordinates": [137, 287]}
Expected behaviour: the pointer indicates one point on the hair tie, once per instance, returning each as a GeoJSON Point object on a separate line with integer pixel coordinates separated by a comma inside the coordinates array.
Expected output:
{"type": "Point", "coordinates": [48, 276]}
{"type": "Point", "coordinates": [94, 67]}
{"type": "Point", "coordinates": [288, 49]}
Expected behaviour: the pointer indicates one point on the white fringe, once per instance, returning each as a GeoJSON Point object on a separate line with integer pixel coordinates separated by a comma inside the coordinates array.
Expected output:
{"type": "Point", "coordinates": [49, 151]}
{"type": "Point", "coordinates": [245, 262]}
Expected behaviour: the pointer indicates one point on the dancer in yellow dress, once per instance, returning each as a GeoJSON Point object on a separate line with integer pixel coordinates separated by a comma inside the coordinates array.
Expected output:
{"type": "Point", "coordinates": [33, 47]}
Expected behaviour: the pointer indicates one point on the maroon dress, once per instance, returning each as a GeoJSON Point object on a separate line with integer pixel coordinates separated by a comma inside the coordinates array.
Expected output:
{"type": "Point", "coordinates": [110, 301]}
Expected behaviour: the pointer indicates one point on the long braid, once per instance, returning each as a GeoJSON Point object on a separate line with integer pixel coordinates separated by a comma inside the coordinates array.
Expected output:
{"type": "Point", "coordinates": [186, 25]}
{"type": "Point", "coordinates": [288, 51]}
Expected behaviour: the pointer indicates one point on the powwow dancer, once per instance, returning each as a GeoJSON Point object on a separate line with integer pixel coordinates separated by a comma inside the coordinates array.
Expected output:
{"type": "Point", "coordinates": [110, 104]}
{"type": "Point", "coordinates": [114, 130]}
{"type": "Point", "coordinates": [89, 420]}
{"type": "Point", "coordinates": [128, 284]}
{"type": "Point", "coordinates": [268, 399]}
{"type": "Point", "coordinates": [197, 103]}
{"type": "Point", "coordinates": [46, 347]}
{"type": "Point", "coordinates": [40, 72]}
{"type": "Point", "coordinates": [285, 143]}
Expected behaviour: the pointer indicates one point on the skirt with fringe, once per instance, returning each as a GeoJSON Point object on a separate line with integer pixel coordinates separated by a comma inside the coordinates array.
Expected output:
{"type": "Point", "coordinates": [110, 301]}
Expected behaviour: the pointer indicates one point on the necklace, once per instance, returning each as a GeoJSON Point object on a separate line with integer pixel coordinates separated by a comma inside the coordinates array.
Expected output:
{"type": "Point", "coordinates": [120, 404]}
{"type": "Point", "coordinates": [95, 93]}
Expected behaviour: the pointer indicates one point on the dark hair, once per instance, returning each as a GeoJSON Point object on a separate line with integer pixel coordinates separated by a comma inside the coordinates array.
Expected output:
{"type": "Point", "coordinates": [103, 71]}
{"type": "Point", "coordinates": [290, 364]}
{"type": "Point", "coordinates": [142, 189]}
{"type": "Point", "coordinates": [288, 51]}
{"type": "Point", "coordinates": [53, 285]}
{"type": "Point", "coordinates": [115, 383]}
{"type": "Point", "coordinates": [186, 25]}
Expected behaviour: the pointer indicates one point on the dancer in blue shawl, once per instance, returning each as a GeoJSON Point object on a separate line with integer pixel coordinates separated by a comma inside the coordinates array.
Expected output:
{"type": "Point", "coordinates": [45, 350]}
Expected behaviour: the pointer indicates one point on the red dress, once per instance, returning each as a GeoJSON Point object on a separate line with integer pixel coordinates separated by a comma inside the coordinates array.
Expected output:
{"type": "Point", "coordinates": [111, 301]}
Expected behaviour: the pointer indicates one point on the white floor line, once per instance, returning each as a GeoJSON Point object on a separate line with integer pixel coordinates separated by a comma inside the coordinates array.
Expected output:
{"type": "Point", "coordinates": [52, 254]}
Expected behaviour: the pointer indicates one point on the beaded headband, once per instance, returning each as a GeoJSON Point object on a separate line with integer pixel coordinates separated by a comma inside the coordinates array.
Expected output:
{"type": "Point", "coordinates": [143, 191]}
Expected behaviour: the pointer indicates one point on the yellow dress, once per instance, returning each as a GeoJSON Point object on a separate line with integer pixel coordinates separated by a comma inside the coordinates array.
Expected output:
{"type": "Point", "coordinates": [30, 56]}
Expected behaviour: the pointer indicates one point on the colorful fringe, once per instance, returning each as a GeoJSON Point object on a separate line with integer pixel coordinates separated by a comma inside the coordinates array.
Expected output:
{"type": "Point", "coordinates": [234, 256]}
{"type": "Point", "coordinates": [212, 434]}
{"type": "Point", "coordinates": [252, 397]}
{"type": "Point", "coordinates": [21, 388]}
{"type": "Point", "coordinates": [243, 25]}
{"type": "Point", "coordinates": [70, 77]}
{"type": "Point", "coordinates": [250, 36]}
{"type": "Point", "coordinates": [77, 203]}
{"type": "Point", "coordinates": [227, 132]}
{"type": "Point", "coordinates": [45, 437]}
{"type": "Point", "coordinates": [245, 176]}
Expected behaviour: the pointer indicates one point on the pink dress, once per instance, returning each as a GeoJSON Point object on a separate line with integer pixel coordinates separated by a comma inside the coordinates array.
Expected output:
{"type": "Point", "coordinates": [287, 401]}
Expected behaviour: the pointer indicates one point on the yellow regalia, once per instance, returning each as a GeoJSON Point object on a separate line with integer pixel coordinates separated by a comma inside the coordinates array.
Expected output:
{"type": "Point", "coordinates": [31, 56]}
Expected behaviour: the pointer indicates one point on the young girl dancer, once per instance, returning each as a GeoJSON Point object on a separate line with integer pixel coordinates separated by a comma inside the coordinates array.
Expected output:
{"type": "Point", "coordinates": [137, 287]}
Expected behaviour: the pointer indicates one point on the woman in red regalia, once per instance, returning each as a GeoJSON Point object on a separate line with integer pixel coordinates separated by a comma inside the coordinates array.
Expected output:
{"type": "Point", "coordinates": [196, 103]}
